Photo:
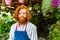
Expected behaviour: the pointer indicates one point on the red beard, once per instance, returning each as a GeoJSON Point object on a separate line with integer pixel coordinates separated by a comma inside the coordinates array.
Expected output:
{"type": "Point", "coordinates": [22, 20]}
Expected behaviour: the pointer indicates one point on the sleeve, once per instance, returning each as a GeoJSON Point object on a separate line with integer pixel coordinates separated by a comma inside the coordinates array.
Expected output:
{"type": "Point", "coordinates": [11, 34]}
{"type": "Point", "coordinates": [34, 33]}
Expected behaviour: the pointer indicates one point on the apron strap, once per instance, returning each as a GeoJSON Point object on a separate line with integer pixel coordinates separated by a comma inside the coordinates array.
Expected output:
{"type": "Point", "coordinates": [17, 27]}
{"type": "Point", "coordinates": [25, 27]}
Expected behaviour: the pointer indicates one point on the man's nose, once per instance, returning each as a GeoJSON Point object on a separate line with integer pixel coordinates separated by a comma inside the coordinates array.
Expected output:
{"type": "Point", "coordinates": [21, 14]}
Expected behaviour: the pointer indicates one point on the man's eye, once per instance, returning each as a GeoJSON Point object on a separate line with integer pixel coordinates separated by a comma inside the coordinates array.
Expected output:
{"type": "Point", "coordinates": [19, 13]}
{"type": "Point", "coordinates": [24, 13]}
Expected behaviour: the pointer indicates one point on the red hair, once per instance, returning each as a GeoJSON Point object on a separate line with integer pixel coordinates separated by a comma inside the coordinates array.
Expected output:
{"type": "Point", "coordinates": [29, 16]}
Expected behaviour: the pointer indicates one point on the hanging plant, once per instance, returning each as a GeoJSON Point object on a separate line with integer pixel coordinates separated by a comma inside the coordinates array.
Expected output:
{"type": "Point", "coordinates": [55, 3]}
{"type": "Point", "coordinates": [8, 2]}
{"type": "Point", "coordinates": [21, 1]}
{"type": "Point", "coordinates": [46, 4]}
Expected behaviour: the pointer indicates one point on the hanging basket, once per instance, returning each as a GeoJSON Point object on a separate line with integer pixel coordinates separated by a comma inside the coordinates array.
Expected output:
{"type": "Point", "coordinates": [8, 2]}
{"type": "Point", "coordinates": [55, 3]}
{"type": "Point", "coordinates": [21, 1]}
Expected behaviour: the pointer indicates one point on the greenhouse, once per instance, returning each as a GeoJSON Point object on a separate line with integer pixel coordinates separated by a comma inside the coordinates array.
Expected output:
{"type": "Point", "coordinates": [45, 16]}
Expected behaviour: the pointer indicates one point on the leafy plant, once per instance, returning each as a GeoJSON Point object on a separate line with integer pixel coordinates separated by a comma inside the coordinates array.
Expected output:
{"type": "Point", "coordinates": [36, 6]}
{"type": "Point", "coordinates": [6, 21]}
{"type": "Point", "coordinates": [54, 31]}
{"type": "Point", "coordinates": [46, 4]}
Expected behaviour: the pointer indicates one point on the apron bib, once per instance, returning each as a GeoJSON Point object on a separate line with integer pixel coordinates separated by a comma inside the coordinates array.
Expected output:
{"type": "Point", "coordinates": [21, 35]}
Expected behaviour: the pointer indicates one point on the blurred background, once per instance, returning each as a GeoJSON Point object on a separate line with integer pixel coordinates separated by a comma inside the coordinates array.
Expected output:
{"type": "Point", "coordinates": [45, 13]}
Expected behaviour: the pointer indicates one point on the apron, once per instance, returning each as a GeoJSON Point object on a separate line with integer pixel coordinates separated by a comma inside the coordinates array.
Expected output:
{"type": "Point", "coordinates": [21, 35]}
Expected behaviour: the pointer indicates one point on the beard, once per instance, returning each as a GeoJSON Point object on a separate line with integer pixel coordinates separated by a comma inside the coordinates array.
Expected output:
{"type": "Point", "coordinates": [22, 20]}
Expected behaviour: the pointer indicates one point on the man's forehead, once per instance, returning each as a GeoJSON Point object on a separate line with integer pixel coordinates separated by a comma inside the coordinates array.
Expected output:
{"type": "Point", "coordinates": [22, 10]}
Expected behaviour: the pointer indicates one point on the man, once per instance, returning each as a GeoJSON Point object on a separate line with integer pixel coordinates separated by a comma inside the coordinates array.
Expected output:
{"type": "Point", "coordinates": [23, 29]}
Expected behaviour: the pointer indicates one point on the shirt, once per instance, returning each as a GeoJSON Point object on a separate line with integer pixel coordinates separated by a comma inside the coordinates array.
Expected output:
{"type": "Point", "coordinates": [31, 30]}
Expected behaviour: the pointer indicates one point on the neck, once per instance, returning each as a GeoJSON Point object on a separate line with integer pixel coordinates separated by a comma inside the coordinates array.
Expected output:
{"type": "Point", "coordinates": [22, 23]}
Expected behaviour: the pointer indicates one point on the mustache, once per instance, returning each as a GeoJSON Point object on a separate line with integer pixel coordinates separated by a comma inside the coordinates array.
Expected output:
{"type": "Point", "coordinates": [22, 17]}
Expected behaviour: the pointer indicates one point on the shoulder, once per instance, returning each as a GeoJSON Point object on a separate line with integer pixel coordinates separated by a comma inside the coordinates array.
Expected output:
{"type": "Point", "coordinates": [14, 25]}
{"type": "Point", "coordinates": [32, 25]}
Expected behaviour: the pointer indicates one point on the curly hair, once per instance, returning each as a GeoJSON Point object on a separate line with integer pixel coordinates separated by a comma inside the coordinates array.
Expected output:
{"type": "Point", "coordinates": [29, 16]}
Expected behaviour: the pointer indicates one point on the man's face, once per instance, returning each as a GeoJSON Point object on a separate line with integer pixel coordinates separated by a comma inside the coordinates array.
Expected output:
{"type": "Point", "coordinates": [22, 15]}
